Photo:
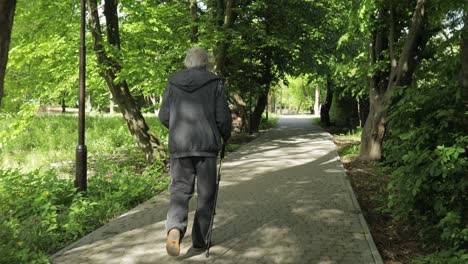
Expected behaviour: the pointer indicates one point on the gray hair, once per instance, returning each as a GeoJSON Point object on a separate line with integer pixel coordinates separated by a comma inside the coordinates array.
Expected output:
{"type": "Point", "coordinates": [197, 58]}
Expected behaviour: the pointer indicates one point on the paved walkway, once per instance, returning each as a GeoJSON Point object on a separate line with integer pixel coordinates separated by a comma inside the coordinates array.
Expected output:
{"type": "Point", "coordinates": [284, 198]}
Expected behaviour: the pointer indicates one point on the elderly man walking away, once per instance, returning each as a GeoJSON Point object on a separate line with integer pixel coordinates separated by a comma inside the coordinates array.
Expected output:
{"type": "Point", "coordinates": [196, 112]}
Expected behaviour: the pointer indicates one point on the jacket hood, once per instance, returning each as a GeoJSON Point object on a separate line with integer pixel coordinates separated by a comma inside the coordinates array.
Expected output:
{"type": "Point", "coordinates": [191, 80]}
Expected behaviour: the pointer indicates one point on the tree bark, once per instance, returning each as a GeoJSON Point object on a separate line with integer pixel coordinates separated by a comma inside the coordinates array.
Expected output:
{"type": "Point", "coordinates": [194, 27]}
{"type": "Point", "coordinates": [225, 18]}
{"type": "Point", "coordinates": [110, 67]}
{"type": "Point", "coordinates": [271, 101]}
{"type": "Point", "coordinates": [111, 104]}
{"type": "Point", "coordinates": [89, 104]}
{"type": "Point", "coordinates": [325, 110]}
{"type": "Point", "coordinates": [464, 58]}
{"type": "Point", "coordinates": [240, 109]}
{"type": "Point", "coordinates": [363, 105]}
{"type": "Point", "coordinates": [63, 105]}
{"type": "Point", "coordinates": [112, 23]}
{"type": "Point", "coordinates": [258, 111]}
{"type": "Point", "coordinates": [223, 46]}
{"type": "Point", "coordinates": [401, 74]}
{"type": "Point", "coordinates": [7, 13]}
{"type": "Point", "coordinates": [262, 99]}
{"type": "Point", "coordinates": [317, 101]}
{"type": "Point", "coordinates": [154, 101]}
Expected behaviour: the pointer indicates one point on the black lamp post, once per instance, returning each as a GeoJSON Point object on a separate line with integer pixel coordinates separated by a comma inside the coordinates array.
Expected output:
{"type": "Point", "coordinates": [80, 179]}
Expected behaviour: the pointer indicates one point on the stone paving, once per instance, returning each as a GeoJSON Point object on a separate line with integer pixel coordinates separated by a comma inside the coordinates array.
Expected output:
{"type": "Point", "coordinates": [284, 198]}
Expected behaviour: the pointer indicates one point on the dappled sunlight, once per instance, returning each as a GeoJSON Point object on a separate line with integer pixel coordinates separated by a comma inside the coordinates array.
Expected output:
{"type": "Point", "coordinates": [283, 199]}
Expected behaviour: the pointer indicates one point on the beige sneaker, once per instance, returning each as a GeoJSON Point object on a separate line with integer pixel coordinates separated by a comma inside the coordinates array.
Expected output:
{"type": "Point", "coordinates": [173, 242]}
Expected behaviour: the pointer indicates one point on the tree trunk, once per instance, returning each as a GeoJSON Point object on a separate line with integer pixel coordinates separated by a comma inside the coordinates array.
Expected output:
{"type": "Point", "coordinates": [317, 101]}
{"type": "Point", "coordinates": [281, 100]}
{"type": "Point", "coordinates": [300, 105]}
{"type": "Point", "coordinates": [223, 46]}
{"type": "Point", "coordinates": [401, 74]}
{"type": "Point", "coordinates": [262, 99]}
{"type": "Point", "coordinates": [374, 130]}
{"type": "Point", "coordinates": [464, 58]}
{"type": "Point", "coordinates": [154, 102]}
{"type": "Point", "coordinates": [271, 101]}
{"type": "Point", "coordinates": [150, 144]}
{"type": "Point", "coordinates": [267, 78]}
{"type": "Point", "coordinates": [363, 105]}
{"type": "Point", "coordinates": [111, 104]}
{"type": "Point", "coordinates": [112, 25]}
{"type": "Point", "coordinates": [325, 110]}
{"type": "Point", "coordinates": [267, 102]}
{"type": "Point", "coordinates": [258, 111]}
{"type": "Point", "coordinates": [7, 13]}
{"type": "Point", "coordinates": [240, 109]}
{"type": "Point", "coordinates": [62, 104]}
{"type": "Point", "coordinates": [194, 27]}
{"type": "Point", "coordinates": [89, 105]}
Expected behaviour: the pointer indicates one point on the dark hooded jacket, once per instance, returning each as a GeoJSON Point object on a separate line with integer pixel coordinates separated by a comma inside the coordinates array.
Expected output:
{"type": "Point", "coordinates": [195, 110]}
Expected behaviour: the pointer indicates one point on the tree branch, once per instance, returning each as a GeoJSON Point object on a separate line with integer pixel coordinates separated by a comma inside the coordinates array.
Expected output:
{"type": "Point", "coordinates": [7, 13]}
{"type": "Point", "coordinates": [410, 55]}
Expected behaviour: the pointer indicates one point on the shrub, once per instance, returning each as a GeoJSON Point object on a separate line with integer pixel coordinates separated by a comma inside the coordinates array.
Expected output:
{"type": "Point", "coordinates": [426, 147]}
{"type": "Point", "coordinates": [445, 257]}
{"type": "Point", "coordinates": [41, 212]}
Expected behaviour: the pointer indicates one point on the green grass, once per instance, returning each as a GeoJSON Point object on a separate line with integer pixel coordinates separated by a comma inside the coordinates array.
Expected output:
{"type": "Point", "coordinates": [351, 150]}
{"type": "Point", "coordinates": [52, 139]}
{"type": "Point", "coordinates": [270, 123]}
{"type": "Point", "coordinates": [349, 143]}
{"type": "Point", "coordinates": [40, 211]}
{"type": "Point", "coordinates": [232, 147]}
{"type": "Point", "coordinates": [317, 120]}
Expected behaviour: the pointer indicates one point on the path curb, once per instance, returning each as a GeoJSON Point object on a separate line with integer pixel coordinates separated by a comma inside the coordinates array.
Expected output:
{"type": "Point", "coordinates": [370, 241]}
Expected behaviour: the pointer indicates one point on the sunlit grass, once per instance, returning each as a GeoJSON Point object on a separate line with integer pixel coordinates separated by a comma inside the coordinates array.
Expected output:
{"type": "Point", "coordinates": [270, 123]}
{"type": "Point", "coordinates": [52, 140]}
{"type": "Point", "coordinates": [349, 143]}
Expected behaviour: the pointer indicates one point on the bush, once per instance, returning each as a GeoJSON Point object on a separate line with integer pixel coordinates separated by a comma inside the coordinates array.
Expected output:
{"type": "Point", "coordinates": [41, 212]}
{"type": "Point", "coordinates": [426, 147]}
{"type": "Point", "coordinates": [445, 257]}
{"type": "Point", "coordinates": [270, 123]}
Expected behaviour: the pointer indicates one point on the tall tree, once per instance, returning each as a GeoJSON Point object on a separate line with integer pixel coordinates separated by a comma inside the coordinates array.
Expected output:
{"type": "Point", "coordinates": [194, 16]}
{"type": "Point", "coordinates": [225, 18]}
{"type": "Point", "coordinates": [383, 82]}
{"type": "Point", "coordinates": [272, 47]}
{"type": "Point", "coordinates": [464, 57]}
{"type": "Point", "coordinates": [7, 13]}
{"type": "Point", "coordinates": [110, 68]}
{"type": "Point", "coordinates": [325, 110]}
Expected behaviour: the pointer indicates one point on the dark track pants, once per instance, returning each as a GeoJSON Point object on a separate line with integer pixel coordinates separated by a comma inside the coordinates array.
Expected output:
{"type": "Point", "coordinates": [183, 172]}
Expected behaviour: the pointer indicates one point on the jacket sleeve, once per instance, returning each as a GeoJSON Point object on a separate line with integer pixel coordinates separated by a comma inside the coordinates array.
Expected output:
{"type": "Point", "coordinates": [223, 114]}
{"type": "Point", "coordinates": [164, 112]}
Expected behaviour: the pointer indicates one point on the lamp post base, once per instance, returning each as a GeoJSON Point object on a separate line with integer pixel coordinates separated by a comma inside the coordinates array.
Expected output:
{"type": "Point", "coordinates": [81, 168]}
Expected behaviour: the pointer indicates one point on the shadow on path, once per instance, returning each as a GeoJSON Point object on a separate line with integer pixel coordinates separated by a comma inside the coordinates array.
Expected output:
{"type": "Point", "coordinates": [284, 198]}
